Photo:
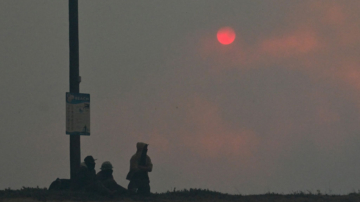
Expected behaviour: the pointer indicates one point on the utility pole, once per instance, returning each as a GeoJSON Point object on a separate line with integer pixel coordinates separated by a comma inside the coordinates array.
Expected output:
{"type": "Point", "coordinates": [75, 158]}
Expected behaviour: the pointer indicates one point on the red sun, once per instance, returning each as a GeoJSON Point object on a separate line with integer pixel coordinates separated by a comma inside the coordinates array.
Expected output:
{"type": "Point", "coordinates": [226, 35]}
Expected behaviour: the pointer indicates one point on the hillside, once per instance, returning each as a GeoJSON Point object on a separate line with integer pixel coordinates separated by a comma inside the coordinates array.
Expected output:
{"type": "Point", "coordinates": [38, 194]}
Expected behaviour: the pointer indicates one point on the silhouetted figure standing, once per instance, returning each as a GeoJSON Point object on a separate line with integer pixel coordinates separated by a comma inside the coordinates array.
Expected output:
{"type": "Point", "coordinates": [105, 176]}
{"type": "Point", "coordinates": [140, 165]}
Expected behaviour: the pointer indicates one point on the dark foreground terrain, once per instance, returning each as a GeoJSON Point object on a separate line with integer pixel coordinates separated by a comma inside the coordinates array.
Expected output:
{"type": "Point", "coordinates": [38, 194]}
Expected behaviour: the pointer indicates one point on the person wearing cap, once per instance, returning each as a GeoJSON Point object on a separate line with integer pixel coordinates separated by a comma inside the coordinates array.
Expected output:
{"type": "Point", "coordinates": [105, 176]}
{"type": "Point", "coordinates": [86, 174]}
{"type": "Point", "coordinates": [140, 166]}
{"type": "Point", "coordinates": [86, 178]}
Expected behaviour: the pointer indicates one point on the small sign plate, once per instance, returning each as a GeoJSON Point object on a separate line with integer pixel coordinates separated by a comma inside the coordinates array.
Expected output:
{"type": "Point", "coordinates": [77, 114]}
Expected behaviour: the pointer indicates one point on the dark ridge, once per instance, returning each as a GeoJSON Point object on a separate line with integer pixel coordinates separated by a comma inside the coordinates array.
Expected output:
{"type": "Point", "coordinates": [43, 194]}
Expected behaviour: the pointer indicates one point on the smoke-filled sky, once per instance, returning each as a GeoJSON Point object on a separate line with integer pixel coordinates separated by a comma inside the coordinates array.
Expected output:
{"type": "Point", "coordinates": [275, 111]}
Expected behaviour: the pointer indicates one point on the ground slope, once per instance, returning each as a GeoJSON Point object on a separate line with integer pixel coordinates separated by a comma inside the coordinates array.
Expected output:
{"type": "Point", "coordinates": [195, 195]}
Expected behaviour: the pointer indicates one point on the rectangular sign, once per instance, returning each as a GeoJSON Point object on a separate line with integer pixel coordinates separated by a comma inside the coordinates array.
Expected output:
{"type": "Point", "coordinates": [77, 114]}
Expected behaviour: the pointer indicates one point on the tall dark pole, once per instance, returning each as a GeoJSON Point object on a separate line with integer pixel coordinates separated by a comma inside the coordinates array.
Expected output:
{"type": "Point", "coordinates": [74, 81]}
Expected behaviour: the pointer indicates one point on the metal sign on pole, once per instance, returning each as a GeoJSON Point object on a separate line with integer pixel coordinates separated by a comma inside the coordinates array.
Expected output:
{"type": "Point", "coordinates": [75, 158]}
{"type": "Point", "coordinates": [77, 114]}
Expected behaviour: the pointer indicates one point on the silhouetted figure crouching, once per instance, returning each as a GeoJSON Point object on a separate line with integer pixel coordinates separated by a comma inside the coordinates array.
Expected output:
{"type": "Point", "coordinates": [105, 176]}
{"type": "Point", "coordinates": [86, 178]}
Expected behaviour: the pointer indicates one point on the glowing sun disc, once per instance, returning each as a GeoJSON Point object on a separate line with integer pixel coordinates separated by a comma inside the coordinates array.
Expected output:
{"type": "Point", "coordinates": [226, 35]}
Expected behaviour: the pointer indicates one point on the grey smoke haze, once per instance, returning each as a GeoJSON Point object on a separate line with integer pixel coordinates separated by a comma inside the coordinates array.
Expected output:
{"type": "Point", "coordinates": [277, 110]}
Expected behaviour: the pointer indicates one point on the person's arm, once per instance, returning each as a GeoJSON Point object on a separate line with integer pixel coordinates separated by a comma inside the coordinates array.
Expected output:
{"type": "Point", "coordinates": [148, 166]}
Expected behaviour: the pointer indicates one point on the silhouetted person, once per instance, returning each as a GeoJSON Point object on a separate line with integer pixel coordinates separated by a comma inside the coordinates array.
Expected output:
{"type": "Point", "coordinates": [140, 165]}
{"type": "Point", "coordinates": [86, 178]}
{"type": "Point", "coordinates": [106, 178]}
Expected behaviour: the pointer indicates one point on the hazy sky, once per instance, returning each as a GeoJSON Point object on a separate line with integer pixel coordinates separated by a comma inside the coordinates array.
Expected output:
{"type": "Point", "coordinates": [277, 110]}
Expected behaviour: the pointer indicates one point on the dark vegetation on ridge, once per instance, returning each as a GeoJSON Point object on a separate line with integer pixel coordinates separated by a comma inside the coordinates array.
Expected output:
{"type": "Point", "coordinates": [42, 194]}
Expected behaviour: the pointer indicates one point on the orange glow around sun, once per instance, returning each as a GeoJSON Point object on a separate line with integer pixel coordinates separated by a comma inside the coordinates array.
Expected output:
{"type": "Point", "coordinates": [226, 35]}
